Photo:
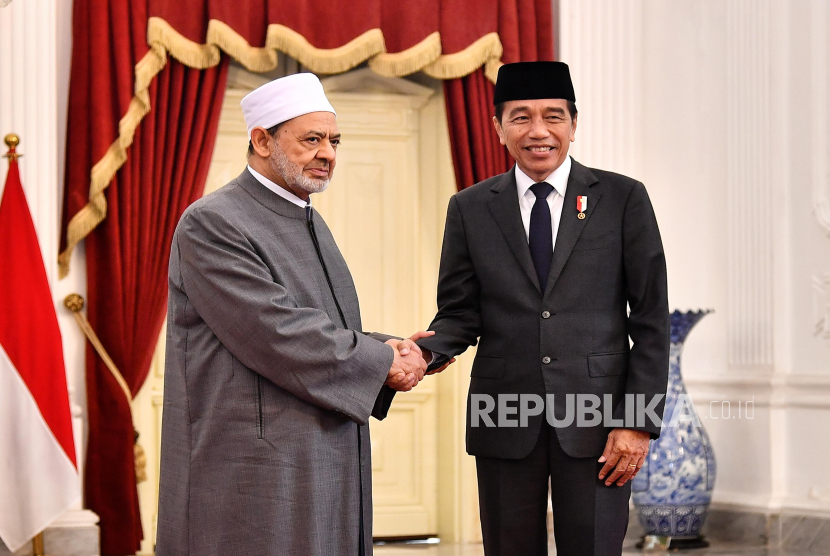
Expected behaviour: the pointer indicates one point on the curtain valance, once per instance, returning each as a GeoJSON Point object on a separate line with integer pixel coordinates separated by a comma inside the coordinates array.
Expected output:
{"type": "Point", "coordinates": [126, 44]}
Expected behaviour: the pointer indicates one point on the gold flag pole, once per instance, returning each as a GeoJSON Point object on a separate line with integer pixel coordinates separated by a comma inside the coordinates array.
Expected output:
{"type": "Point", "coordinates": [37, 545]}
{"type": "Point", "coordinates": [12, 140]}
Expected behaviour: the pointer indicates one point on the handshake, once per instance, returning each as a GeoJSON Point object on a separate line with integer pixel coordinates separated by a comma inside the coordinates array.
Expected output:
{"type": "Point", "coordinates": [410, 364]}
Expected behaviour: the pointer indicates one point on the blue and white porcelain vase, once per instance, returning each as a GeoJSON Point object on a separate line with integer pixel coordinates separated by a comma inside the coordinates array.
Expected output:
{"type": "Point", "coordinates": [673, 490]}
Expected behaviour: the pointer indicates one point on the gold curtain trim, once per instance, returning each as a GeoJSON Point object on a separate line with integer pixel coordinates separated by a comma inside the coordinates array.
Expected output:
{"type": "Point", "coordinates": [165, 41]}
{"type": "Point", "coordinates": [410, 60]}
{"type": "Point", "coordinates": [192, 54]}
{"type": "Point", "coordinates": [486, 51]}
{"type": "Point", "coordinates": [319, 60]}
{"type": "Point", "coordinates": [257, 60]}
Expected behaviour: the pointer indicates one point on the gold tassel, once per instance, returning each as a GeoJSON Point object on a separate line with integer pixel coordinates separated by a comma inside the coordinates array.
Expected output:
{"type": "Point", "coordinates": [140, 459]}
{"type": "Point", "coordinates": [75, 303]}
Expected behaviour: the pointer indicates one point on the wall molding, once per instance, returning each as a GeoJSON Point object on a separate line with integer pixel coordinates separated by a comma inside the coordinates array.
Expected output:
{"type": "Point", "coordinates": [772, 391]}
{"type": "Point", "coordinates": [820, 120]}
{"type": "Point", "coordinates": [749, 185]}
{"type": "Point", "coordinates": [766, 504]}
{"type": "Point", "coordinates": [821, 305]}
{"type": "Point", "coordinates": [602, 41]}
{"type": "Point", "coordinates": [741, 501]}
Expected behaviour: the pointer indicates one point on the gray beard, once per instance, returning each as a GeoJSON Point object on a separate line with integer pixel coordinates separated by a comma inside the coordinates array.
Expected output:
{"type": "Point", "coordinates": [293, 173]}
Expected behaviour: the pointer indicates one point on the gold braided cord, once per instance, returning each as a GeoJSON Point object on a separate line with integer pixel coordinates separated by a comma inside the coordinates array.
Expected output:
{"type": "Point", "coordinates": [165, 41]}
{"type": "Point", "coordinates": [75, 303]}
{"type": "Point", "coordinates": [90, 334]}
{"type": "Point", "coordinates": [94, 212]}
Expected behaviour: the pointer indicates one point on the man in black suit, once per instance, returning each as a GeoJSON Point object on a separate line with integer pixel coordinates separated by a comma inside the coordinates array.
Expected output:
{"type": "Point", "coordinates": [540, 264]}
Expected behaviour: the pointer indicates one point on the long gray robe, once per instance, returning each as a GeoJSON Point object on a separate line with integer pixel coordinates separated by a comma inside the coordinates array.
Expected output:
{"type": "Point", "coordinates": [265, 393]}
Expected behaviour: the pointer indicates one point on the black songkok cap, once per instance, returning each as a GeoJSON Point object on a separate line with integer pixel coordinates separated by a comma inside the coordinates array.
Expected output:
{"type": "Point", "coordinates": [534, 80]}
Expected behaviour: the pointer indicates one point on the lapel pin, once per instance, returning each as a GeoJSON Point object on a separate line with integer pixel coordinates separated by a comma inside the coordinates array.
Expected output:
{"type": "Point", "coordinates": [581, 206]}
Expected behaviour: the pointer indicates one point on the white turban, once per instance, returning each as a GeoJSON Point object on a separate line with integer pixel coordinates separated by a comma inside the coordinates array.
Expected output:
{"type": "Point", "coordinates": [282, 99]}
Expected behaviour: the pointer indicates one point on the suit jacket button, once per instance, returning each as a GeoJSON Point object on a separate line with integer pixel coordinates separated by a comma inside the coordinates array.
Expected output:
{"type": "Point", "coordinates": [545, 314]}
{"type": "Point", "coordinates": [546, 360]}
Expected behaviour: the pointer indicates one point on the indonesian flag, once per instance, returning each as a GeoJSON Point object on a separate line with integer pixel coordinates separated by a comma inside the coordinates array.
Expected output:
{"type": "Point", "coordinates": [38, 472]}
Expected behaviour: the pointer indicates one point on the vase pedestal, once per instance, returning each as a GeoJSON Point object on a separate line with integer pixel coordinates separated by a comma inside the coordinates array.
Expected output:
{"type": "Point", "coordinates": [674, 543]}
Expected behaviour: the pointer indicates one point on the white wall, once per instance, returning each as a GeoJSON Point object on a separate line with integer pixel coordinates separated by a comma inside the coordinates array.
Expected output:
{"type": "Point", "coordinates": [720, 108]}
{"type": "Point", "coordinates": [806, 326]}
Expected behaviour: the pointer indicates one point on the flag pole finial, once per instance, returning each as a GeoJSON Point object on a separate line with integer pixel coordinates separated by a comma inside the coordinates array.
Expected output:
{"type": "Point", "coordinates": [12, 141]}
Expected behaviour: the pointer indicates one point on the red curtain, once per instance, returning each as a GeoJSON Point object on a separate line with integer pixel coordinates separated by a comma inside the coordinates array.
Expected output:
{"type": "Point", "coordinates": [476, 151]}
{"type": "Point", "coordinates": [127, 279]}
{"type": "Point", "coordinates": [127, 255]}
{"type": "Point", "coordinates": [526, 32]}
{"type": "Point", "coordinates": [165, 162]}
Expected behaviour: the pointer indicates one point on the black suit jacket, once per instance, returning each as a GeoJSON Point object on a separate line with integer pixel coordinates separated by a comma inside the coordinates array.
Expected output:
{"type": "Point", "coordinates": [488, 291]}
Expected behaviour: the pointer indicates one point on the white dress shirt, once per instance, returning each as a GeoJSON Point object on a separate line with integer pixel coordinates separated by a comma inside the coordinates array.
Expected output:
{"type": "Point", "coordinates": [559, 180]}
{"type": "Point", "coordinates": [281, 191]}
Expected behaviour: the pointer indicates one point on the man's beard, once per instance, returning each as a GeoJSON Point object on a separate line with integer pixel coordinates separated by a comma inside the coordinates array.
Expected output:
{"type": "Point", "coordinates": [293, 173]}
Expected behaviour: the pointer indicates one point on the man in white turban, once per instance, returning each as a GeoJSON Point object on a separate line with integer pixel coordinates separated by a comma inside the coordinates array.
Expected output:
{"type": "Point", "coordinates": [269, 380]}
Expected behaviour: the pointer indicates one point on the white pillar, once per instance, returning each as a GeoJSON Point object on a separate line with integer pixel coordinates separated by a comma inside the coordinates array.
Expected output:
{"type": "Point", "coordinates": [820, 44]}
{"type": "Point", "coordinates": [749, 185]}
{"type": "Point", "coordinates": [35, 55]}
{"type": "Point", "coordinates": [602, 42]}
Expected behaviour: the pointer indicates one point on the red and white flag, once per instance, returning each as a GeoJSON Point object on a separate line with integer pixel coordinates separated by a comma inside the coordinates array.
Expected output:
{"type": "Point", "coordinates": [38, 470]}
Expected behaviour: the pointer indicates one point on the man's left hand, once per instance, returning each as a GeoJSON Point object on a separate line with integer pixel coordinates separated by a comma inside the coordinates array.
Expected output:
{"type": "Point", "coordinates": [625, 453]}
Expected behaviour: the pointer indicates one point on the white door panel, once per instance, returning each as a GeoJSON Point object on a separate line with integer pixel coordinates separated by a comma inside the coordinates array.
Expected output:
{"type": "Point", "coordinates": [388, 223]}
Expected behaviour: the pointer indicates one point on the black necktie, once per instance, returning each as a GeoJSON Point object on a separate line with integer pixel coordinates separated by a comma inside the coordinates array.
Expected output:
{"type": "Point", "coordinates": [540, 238]}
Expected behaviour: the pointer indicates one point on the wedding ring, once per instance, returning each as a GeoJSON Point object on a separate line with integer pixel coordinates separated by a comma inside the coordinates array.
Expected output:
{"type": "Point", "coordinates": [632, 465]}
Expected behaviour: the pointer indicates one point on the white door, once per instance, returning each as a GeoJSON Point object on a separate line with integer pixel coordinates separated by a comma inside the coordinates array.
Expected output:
{"type": "Point", "coordinates": [387, 222]}
{"type": "Point", "coordinates": [372, 208]}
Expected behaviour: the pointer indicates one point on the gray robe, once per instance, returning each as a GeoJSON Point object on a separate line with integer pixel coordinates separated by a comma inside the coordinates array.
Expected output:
{"type": "Point", "coordinates": [265, 442]}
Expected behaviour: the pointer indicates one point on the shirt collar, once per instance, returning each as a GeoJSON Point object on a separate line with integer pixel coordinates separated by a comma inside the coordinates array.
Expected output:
{"type": "Point", "coordinates": [282, 192]}
{"type": "Point", "coordinates": [558, 179]}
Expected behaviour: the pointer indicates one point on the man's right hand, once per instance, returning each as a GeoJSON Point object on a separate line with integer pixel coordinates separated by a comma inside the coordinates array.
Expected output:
{"type": "Point", "coordinates": [408, 367]}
